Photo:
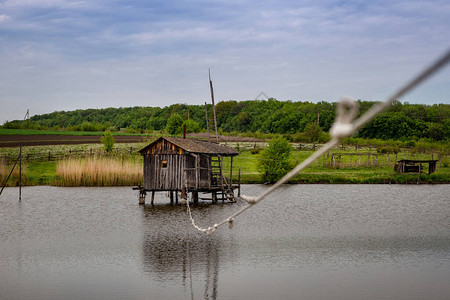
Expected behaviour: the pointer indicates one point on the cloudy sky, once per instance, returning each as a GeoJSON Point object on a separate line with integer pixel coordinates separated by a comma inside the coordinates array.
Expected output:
{"type": "Point", "coordinates": [69, 54]}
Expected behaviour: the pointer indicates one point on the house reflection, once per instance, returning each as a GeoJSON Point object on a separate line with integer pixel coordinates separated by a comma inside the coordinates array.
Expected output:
{"type": "Point", "coordinates": [172, 251]}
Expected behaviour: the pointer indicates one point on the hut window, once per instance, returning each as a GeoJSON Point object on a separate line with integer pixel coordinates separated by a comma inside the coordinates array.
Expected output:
{"type": "Point", "coordinates": [164, 164]}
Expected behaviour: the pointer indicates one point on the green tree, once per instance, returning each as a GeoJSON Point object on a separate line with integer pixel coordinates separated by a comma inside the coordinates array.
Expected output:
{"type": "Point", "coordinates": [313, 132]}
{"type": "Point", "coordinates": [274, 160]}
{"type": "Point", "coordinates": [174, 124]}
{"type": "Point", "coordinates": [191, 126]}
{"type": "Point", "coordinates": [107, 141]}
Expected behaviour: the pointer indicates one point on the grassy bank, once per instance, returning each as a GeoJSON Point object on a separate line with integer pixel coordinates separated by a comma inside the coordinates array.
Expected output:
{"type": "Point", "coordinates": [350, 169]}
{"type": "Point", "coordinates": [125, 169]}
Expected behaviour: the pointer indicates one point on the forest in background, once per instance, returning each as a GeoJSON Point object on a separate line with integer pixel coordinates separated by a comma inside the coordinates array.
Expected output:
{"type": "Point", "coordinates": [299, 121]}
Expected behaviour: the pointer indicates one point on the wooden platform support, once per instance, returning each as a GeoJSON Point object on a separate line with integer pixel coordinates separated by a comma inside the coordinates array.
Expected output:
{"type": "Point", "coordinates": [239, 183]}
{"type": "Point", "coordinates": [142, 194]}
{"type": "Point", "coordinates": [195, 197]}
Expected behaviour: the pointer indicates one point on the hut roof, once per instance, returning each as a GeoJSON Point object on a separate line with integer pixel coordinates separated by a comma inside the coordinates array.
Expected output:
{"type": "Point", "coordinates": [195, 146]}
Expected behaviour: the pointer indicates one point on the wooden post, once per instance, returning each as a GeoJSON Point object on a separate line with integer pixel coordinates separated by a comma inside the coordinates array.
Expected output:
{"type": "Point", "coordinates": [171, 197]}
{"type": "Point", "coordinates": [197, 171]}
{"type": "Point", "coordinates": [195, 197]}
{"type": "Point", "coordinates": [141, 195]}
{"type": "Point", "coordinates": [153, 197]}
{"type": "Point", "coordinates": [183, 193]}
{"type": "Point", "coordinates": [141, 198]}
{"type": "Point", "coordinates": [239, 184]}
{"type": "Point", "coordinates": [231, 174]}
{"type": "Point", "coordinates": [176, 197]}
{"type": "Point", "coordinates": [20, 174]}
{"type": "Point", "coordinates": [213, 107]}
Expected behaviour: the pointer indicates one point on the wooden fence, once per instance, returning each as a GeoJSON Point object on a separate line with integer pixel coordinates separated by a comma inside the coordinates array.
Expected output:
{"type": "Point", "coordinates": [58, 155]}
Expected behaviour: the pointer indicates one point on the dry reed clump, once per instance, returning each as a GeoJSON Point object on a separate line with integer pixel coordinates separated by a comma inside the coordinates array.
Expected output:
{"type": "Point", "coordinates": [99, 171]}
{"type": "Point", "coordinates": [5, 169]}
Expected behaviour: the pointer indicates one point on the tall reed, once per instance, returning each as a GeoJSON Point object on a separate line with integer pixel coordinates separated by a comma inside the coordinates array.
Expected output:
{"type": "Point", "coordinates": [5, 169]}
{"type": "Point", "coordinates": [99, 171]}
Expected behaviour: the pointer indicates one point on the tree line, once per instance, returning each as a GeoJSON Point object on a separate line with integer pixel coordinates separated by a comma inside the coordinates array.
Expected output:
{"type": "Point", "coordinates": [297, 120]}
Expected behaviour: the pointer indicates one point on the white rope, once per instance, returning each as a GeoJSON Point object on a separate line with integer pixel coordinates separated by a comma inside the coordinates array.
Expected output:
{"type": "Point", "coordinates": [343, 126]}
{"type": "Point", "coordinates": [207, 230]}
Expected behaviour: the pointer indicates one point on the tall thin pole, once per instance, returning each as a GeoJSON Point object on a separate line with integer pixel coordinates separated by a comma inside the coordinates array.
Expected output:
{"type": "Point", "coordinates": [207, 120]}
{"type": "Point", "coordinates": [20, 173]}
{"type": "Point", "coordinates": [213, 105]}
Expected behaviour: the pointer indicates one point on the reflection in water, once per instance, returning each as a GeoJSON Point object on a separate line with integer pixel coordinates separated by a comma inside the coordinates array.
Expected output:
{"type": "Point", "coordinates": [173, 252]}
{"type": "Point", "coordinates": [306, 241]}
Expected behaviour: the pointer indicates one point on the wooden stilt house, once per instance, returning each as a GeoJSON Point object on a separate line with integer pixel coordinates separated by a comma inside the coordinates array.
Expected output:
{"type": "Point", "coordinates": [188, 165]}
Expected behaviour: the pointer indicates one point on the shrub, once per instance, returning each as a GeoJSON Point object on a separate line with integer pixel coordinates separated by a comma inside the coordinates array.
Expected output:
{"type": "Point", "coordinates": [191, 126]}
{"type": "Point", "coordinates": [107, 141]}
{"type": "Point", "coordinates": [387, 149]}
{"type": "Point", "coordinates": [274, 160]}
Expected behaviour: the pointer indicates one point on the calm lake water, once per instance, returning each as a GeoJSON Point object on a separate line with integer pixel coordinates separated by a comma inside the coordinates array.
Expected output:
{"type": "Point", "coordinates": [305, 242]}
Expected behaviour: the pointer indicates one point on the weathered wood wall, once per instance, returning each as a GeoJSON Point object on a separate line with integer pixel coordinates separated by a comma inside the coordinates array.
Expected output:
{"type": "Point", "coordinates": [170, 178]}
{"type": "Point", "coordinates": [196, 168]}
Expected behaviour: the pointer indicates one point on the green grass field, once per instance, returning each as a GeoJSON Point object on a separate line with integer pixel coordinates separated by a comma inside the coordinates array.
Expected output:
{"type": "Point", "coordinates": [350, 169]}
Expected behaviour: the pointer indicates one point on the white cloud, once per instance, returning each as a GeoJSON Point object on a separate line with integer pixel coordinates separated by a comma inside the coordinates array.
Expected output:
{"type": "Point", "coordinates": [4, 18]}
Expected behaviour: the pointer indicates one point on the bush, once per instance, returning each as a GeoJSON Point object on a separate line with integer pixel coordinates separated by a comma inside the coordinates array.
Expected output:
{"type": "Point", "coordinates": [191, 126]}
{"type": "Point", "coordinates": [274, 161]}
{"type": "Point", "coordinates": [387, 149]}
{"type": "Point", "coordinates": [108, 141]}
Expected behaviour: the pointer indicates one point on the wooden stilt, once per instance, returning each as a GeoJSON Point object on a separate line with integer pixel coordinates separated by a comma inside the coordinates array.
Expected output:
{"type": "Point", "coordinates": [141, 195]}
{"type": "Point", "coordinates": [171, 197]}
{"type": "Point", "coordinates": [239, 184]}
{"type": "Point", "coordinates": [153, 197]}
{"type": "Point", "coordinates": [195, 197]}
{"type": "Point", "coordinates": [20, 174]}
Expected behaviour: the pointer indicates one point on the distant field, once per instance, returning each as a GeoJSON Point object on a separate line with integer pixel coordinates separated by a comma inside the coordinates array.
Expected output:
{"type": "Point", "coordinates": [58, 132]}
{"type": "Point", "coordinates": [30, 137]}
{"type": "Point", "coordinates": [22, 137]}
